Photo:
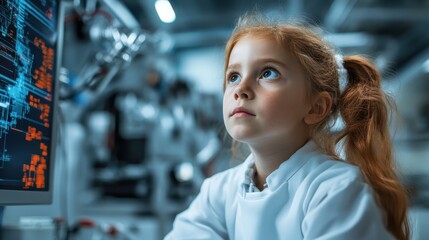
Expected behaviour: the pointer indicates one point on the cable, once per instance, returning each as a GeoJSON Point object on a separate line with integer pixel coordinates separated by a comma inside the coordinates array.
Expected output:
{"type": "Point", "coordinates": [74, 17]}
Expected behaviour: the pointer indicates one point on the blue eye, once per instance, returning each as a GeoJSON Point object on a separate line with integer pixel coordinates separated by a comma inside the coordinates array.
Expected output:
{"type": "Point", "coordinates": [234, 78]}
{"type": "Point", "coordinates": [270, 74]}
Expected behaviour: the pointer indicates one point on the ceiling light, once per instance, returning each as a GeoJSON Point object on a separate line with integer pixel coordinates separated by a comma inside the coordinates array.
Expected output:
{"type": "Point", "coordinates": [165, 11]}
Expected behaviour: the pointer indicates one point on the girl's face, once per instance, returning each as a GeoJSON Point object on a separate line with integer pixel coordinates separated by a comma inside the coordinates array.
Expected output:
{"type": "Point", "coordinates": [265, 97]}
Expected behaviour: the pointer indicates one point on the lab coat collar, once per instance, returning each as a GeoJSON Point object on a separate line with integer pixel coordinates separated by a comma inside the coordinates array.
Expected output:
{"type": "Point", "coordinates": [284, 172]}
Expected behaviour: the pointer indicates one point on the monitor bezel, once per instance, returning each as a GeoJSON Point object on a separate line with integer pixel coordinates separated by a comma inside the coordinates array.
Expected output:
{"type": "Point", "coordinates": [21, 197]}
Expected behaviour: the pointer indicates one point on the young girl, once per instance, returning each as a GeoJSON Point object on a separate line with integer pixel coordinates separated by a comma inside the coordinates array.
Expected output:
{"type": "Point", "coordinates": [283, 88]}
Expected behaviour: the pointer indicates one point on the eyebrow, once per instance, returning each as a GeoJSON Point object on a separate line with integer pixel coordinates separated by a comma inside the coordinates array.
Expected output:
{"type": "Point", "coordinates": [259, 60]}
{"type": "Point", "coordinates": [272, 60]}
{"type": "Point", "coordinates": [232, 66]}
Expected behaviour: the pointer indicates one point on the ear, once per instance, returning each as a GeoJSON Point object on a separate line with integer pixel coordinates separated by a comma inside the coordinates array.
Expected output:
{"type": "Point", "coordinates": [320, 108]}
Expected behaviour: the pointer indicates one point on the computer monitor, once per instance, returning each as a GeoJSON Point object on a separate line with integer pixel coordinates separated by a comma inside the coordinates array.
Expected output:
{"type": "Point", "coordinates": [30, 37]}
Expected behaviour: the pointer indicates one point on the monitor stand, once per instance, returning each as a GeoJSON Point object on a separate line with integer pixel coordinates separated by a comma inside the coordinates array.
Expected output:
{"type": "Point", "coordinates": [1, 215]}
{"type": "Point", "coordinates": [1, 221]}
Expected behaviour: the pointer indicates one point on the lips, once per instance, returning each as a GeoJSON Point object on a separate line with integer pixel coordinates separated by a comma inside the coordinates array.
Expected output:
{"type": "Point", "coordinates": [241, 111]}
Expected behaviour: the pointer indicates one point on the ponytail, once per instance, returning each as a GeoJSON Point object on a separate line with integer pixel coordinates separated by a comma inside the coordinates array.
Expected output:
{"type": "Point", "coordinates": [367, 143]}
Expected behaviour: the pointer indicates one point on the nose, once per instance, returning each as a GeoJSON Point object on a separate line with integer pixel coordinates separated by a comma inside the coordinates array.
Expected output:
{"type": "Point", "coordinates": [243, 92]}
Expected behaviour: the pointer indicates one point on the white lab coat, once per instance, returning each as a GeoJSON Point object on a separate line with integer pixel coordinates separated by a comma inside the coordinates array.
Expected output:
{"type": "Point", "coordinates": [310, 196]}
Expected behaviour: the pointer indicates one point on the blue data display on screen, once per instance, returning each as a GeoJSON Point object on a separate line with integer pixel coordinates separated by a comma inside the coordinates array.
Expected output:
{"type": "Point", "coordinates": [28, 40]}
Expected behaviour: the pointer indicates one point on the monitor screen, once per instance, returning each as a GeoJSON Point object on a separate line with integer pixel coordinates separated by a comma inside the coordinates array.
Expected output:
{"type": "Point", "coordinates": [29, 60]}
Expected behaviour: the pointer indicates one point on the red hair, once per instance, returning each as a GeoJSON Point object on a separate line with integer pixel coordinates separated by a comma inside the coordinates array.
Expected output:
{"type": "Point", "coordinates": [363, 106]}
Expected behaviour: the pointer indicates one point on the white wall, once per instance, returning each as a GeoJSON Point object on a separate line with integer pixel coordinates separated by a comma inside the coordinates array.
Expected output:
{"type": "Point", "coordinates": [203, 67]}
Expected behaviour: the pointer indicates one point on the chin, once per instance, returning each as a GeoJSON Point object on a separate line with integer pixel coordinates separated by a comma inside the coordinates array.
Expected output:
{"type": "Point", "coordinates": [240, 133]}
{"type": "Point", "coordinates": [241, 137]}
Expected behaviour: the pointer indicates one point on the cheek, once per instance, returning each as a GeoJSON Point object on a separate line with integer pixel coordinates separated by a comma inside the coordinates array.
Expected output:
{"type": "Point", "coordinates": [283, 108]}
{"type": "Point", "coordinates": [225, 105]}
